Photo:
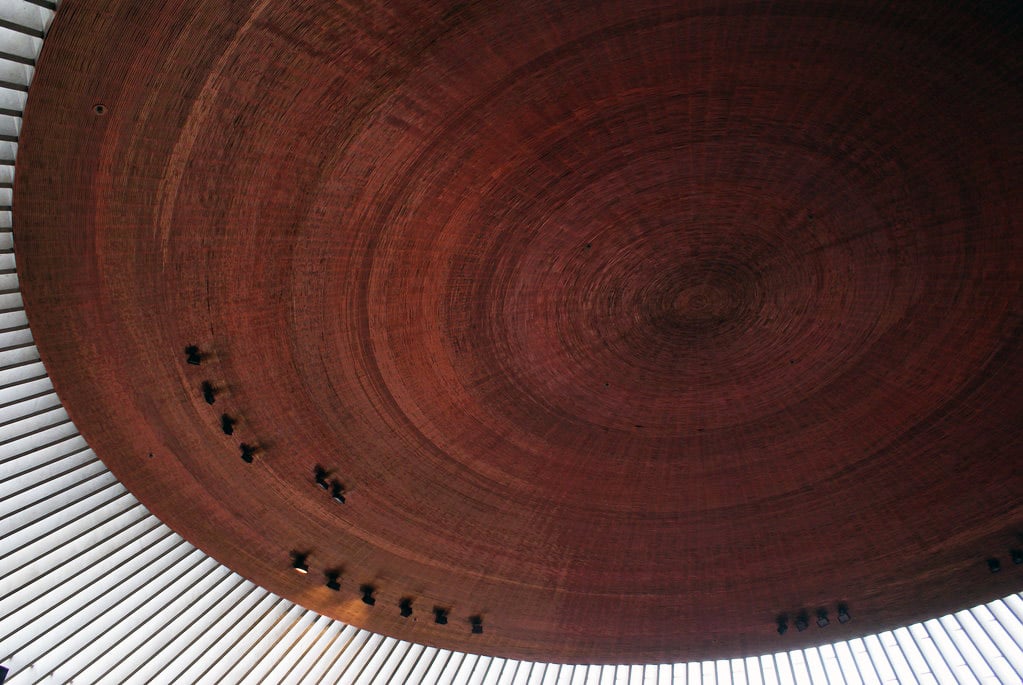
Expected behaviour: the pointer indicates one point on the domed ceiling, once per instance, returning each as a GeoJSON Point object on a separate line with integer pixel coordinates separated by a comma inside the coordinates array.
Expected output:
{"type": "Point", "coordinates": [612, 331]}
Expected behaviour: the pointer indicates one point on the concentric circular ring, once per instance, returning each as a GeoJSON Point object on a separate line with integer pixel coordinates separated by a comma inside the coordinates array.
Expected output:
{"type": "Point", "coordinates": [624, 326]}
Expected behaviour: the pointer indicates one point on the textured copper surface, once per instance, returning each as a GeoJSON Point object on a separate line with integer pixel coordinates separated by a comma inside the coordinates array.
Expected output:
{"type": "Point", "coordinates": [626, 325]}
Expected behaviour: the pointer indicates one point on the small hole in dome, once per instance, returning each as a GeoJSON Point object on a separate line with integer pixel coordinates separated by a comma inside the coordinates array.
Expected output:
{"type": "Point", "coordinates": [99, 109]}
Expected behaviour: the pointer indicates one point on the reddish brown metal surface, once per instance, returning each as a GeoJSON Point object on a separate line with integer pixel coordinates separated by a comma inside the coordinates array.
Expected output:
{"type": "Point", "coordinates": [627, 325]}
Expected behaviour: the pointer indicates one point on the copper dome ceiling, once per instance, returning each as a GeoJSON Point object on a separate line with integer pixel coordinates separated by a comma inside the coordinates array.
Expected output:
{"type": "Point", "coordinates": [625, 327]}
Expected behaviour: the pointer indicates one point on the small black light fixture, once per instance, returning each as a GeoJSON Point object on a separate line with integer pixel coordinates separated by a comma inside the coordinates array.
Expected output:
{"type": "Point", "coordinates": [248, 451]}
{"type": "Point", "coordinates": [994, 565]}
{"type": "Point", "coordinates": [337, 491]}
{"type": "Point", "coordinates": [802, 622]}
{"type": "Point", "coordinates": [783, 624]}
{"type": "Point", "coordinates": [320, 476]}
{"type": "Point", "coordinates": [1016, 555]}
{"type": "Point", "coordinates": [440, 616]}
{"type": "Point", "coordinates": [822, 618]}
{"type": "Point", "coordinates": [333, 580]}
{"type": "Point", "coordinates": [405, 607]}
{"type": "Point", "coordinates": [298, 562]}
{"type": "Point", "coordinates": [192, 355]}
{"type": "Point", "coordinates": [843, 613]}
{"type": "Point", "coordinates": [477, 624]}
{"type": "Point", "coordinates": [208, 393]}
{"type": "Point", "coordinates": [367, 594]}
{"type": "Point", "coordinates": [227, 424]}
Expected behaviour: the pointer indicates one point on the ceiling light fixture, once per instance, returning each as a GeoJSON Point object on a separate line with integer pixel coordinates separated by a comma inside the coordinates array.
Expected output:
{"type": "Point", "coordinates": [994, 565]}
{"type": "Point", "coordinates": [367, 594]}
{"type": "Point", "coordinates": [477, 624]}
{"type": "Point", "coordinates": [333, 580]}
{"type": "Point", "coordinates": [298, 562]}
{"type": "Point", "coordinates": [783, 624]}
{"type": "Point", "coordinates": [405, 607]}
{"type": "Point", "coordinates": [1016, 555]}
{"type": "Point", "coordinates": [843, 614]}
{"type": "Point", "coordinates": [802, 622]}
{"type": "Point", "coordinates": [320, 476]}
{"type": "Point", "coordinates": [208, 393]}
{"type": "Point", "coordinates": [440, 615]}
{"type": "Point", "coordinates": [822, 618]}
{"type": "Point", "coordinates": [247, 452]}
{"type": "Point", "coordinates": [227, 424]}
{"type": "Point", "coordinates": [192, 355]}
{"type": "Point", "coordinates": [337, 492]}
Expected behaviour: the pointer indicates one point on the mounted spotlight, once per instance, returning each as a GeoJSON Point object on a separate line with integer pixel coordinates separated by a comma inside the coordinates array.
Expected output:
{"type": "Point", "coordinates": [405, 607]}
{"type": "Point", "coordinates": [227, 424]}
{"type": "Point", "coordinates": [208, 393]}
{"type": "Point", "coordinates": [1016, 555]}
{"type": "Point", "coordinates": [367, 594]}
{"type": "Point", "coordinates": [802, 622]}
{"type": "Point", "coordinates": [994, 565]}
{"type": "Point", "coordinates": [192, 355]}
{"type": "Point", "coordinates": [440, 616]}
{"type": "Point", "coordinates": [843, 614]}
{"type": "Point", "coordinates": [477, 624]}
{"type": "Point", "coordinates": [822, 618]}
{"type": "Point", "coordinates": [333, 580]}
{"type": "Point", "coordinates": [783, 624]}
{"type": "Point", "coordinates": [320, 475]}
{"type": "Point", "coordinates": [298, 562]}
{"type": "Point", "coordinates": [337, 491]}
{"type": "Point", "coordinates": [247, 452]}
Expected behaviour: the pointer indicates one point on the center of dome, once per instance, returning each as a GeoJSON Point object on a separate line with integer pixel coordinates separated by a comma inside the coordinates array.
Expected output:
{"type": "Point", "coordinates": [700, 305]}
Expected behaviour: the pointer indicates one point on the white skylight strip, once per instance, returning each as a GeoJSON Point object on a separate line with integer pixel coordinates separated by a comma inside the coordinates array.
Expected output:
{"type": "Point", "coordinates": [967, 649]}
{"type": "Point", "coordinates": [911, 655]}
{"type": "Point", "coordinates": [459, 668]}
{"type": "Point", "coordinates": [223, 622]}
{"type": "Point", "coordinates": [936, 662]}
{"type": "Point", "coordinates": [373, 651]}
{"type": "Point", "coordinates": [329, 661]}
{"type": "Point", "coordinates": [162, 645]}
{"type": "Point", "coordinates": [380, 661]}
{"type": "Point", "coordinates": [999, 635]}
{"type": "Point", "coordinates": [491, 675]}
{"type": "Point", "coordinates": [318, 654]}
{"type": "Point", "coordinates": [481, 665]}
{"type": "Point", "coordinates": [129, 634]}
{"type": "Point", "coordinates": [992, 655]}
{"type": "Point", "coordinates": [1006, 612]}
